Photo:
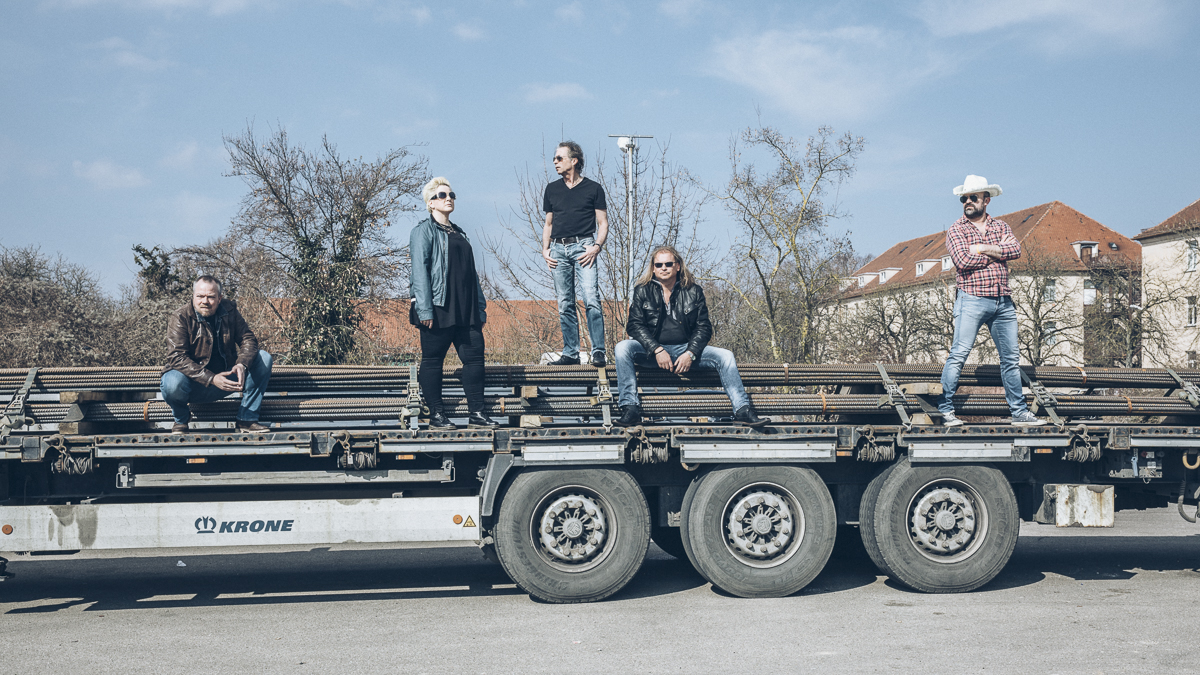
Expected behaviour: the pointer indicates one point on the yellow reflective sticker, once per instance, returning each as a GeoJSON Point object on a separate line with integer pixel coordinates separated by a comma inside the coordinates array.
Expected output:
{"type": "Point", "coordinates": [470, 522]}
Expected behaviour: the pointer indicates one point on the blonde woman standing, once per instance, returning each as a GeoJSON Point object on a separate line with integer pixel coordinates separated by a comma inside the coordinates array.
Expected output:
{"type": "Point", "coordinates": [447, 307]}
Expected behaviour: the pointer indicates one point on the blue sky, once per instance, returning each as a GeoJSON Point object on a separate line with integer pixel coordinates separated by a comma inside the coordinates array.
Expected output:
{"type": "Point", "coordinates": [112, 111]}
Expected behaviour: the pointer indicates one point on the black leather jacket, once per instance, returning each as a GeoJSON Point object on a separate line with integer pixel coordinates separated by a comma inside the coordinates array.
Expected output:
{"type": "Point", "coordinates": [647, 309]}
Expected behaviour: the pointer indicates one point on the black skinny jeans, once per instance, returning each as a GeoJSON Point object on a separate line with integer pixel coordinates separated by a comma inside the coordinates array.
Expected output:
{"type": "Point", "coordinates": [435, 342]}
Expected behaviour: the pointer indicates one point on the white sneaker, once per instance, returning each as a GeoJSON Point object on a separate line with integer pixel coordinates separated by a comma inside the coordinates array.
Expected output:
{"type": "Point", "coordinates": [949, 420]}
{"type": "Point", "coordinates": [1026, 419]}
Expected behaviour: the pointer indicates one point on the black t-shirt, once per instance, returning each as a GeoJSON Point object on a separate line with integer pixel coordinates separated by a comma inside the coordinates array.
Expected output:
{"type": "Point", "coordinates": [462, 301]}
{"type": "Point", "coordinates": [574, 208]}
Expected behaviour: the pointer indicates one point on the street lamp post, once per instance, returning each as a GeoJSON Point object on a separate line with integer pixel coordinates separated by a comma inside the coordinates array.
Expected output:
{"type": "Point", "coordinates": [628, 145]}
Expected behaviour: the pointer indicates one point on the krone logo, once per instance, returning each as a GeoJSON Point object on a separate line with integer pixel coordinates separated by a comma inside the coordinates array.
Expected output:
{"type": "Point", "coordinates": [205, 525]}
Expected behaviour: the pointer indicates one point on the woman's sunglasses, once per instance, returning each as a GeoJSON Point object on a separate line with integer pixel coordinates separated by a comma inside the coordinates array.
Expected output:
{"type": "Point", "coordinates": [443, 195]}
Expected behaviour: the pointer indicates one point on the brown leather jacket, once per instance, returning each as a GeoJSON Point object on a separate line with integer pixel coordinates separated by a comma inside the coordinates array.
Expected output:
{"type": "Point", "coordinates": [190, 341]}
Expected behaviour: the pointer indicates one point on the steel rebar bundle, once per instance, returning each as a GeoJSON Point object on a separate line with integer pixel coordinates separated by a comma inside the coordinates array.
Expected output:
{"type": "Point", "coordinates": [685, 404]}
{"type": "Point", "coordinates": [385, 378]}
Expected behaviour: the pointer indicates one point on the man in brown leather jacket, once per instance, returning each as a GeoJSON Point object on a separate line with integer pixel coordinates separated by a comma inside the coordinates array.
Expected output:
{"type": "Point", "coordinates": [196, 372]}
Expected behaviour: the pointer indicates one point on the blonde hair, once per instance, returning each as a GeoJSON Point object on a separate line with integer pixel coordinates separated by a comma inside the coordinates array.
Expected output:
{"type": "Point", "coordinates": [685, 277]}
{"type": "Point", "coordinates": [430, 190]}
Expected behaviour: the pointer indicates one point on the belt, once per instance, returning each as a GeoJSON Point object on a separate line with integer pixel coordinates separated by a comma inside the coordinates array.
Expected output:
{"type": "Point", "coordinates": [568, 240]}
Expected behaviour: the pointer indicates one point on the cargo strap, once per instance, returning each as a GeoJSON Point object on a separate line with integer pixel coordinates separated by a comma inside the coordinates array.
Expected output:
{"type": "Point", "coordinates": [1188, 391]}
{"type": "Point", "coordinates": [14, 412]}
{"type": "Point", "coordinates": [1043, 398]}
{"type": "Point", "coordinates": [412, 408]}
{"type": "Point", "coordinates": [603, 397]}
{"type": "Point", "coordinates": [894, 397]}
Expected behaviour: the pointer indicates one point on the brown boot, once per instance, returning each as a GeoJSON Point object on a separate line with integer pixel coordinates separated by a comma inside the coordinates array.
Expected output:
{"type": "Point", "coordinates": [250, 427]}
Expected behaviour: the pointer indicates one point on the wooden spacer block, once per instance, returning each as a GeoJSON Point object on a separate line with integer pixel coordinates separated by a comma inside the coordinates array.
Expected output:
{"type": "Point", "coordinates": [531, 421]}
{"type": "Point", "coordinates": [922, 419]}
{"type": "Point", "coordinates": [921, 388]}
{"type": "Point", "coordinates": [115, 396]}
{"type": "Point", "coordinates": [529, 391]}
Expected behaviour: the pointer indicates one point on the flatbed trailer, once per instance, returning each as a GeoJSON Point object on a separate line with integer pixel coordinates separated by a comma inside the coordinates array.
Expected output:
{"type": "Point", "coordinates": [569, 510]}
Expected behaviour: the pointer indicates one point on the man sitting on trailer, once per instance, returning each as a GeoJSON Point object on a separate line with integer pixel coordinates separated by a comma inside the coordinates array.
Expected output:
{"type": "Point", "coordinates": [668, 318]}
{"type": "Point", "coordinates": [980, 247]}
{"type": "Point", "coordinates": [213, 353]}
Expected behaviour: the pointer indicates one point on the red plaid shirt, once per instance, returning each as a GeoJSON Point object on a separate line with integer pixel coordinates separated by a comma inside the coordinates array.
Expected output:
{"type": "Point", "coordinates": [979, 274]}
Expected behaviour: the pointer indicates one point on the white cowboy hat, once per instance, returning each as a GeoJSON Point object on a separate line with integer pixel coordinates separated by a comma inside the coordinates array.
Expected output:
{"type": "Point", "coordinates": [975, 184]}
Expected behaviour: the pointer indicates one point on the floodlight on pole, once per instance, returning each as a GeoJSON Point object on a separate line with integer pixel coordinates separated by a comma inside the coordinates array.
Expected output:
{"type": "Point", "coordinates": [628, 145]}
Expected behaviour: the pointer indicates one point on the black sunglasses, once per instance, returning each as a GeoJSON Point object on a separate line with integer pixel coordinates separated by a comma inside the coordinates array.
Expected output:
{"type": "Point", "coordinates": [666, 264]}
{"type": "Point", "coordinates": [443, 195]}
{"type": "Point", "coordinates": [559, 159]}
{"type": "Point", "coordinates": [971, 198]}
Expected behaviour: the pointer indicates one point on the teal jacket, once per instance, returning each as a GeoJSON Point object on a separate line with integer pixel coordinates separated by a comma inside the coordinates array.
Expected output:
{"type": "Point", "coordinates": [427, 244]}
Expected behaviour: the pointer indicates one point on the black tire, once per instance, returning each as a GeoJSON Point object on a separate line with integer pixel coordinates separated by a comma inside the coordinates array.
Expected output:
{"type": "Point", "coordinates": [686, 508]}
{"type": "Point", "coordinates": [966, 537]}
{"type": "Point", "coordinates": [670, 540]}
{"type": "Point", "coordinates": [866, 519]}
{"type": "Point", "coordinates": [792, 529]}
{"type": "Point", "coordinates": [607, 532]}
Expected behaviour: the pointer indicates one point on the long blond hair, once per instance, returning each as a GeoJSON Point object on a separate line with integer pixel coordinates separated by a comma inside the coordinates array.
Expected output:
{"type": "Point", "coordinates": [685, 277]}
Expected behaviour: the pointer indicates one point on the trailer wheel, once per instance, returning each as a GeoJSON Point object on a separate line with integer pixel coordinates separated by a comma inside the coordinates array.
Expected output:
{"type": "Point", "coordinates": [670, 540]}
{"type": "Point", "coordinates": [866, 519]}
{"type": "Point", "coordinates": [761, 531]}
{"type": "Point", "coordinates": [945, 529]}
{"type": "Point", "coordinates": [572, 536]}
{"type": "Point", "coordinates": [684, 538]}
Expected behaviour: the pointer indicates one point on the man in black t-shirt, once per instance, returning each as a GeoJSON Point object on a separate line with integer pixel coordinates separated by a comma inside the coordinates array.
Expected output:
{"type": "Point", "coordinates": [576, 227]}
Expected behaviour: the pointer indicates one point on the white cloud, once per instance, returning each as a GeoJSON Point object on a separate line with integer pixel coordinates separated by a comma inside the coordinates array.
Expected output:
{"type": "Point", "coordinates": [572, 12]}
{"type": "Point", "coordinates": [543, 93]}
{"type": "Point", "coordinates": [107, 175]}
{"type": "Point", "coordinates": [825, 74]}
{"type": "Point", "coordinates": [468, 33]}
{"type": "Point", "coordinates": [682, 9]}
{"type": "Point", "coordinates": [122, 53]}
{"type": "Point", "coordinates": [1054, 25]}
{"type": "Point", "coordinates": [215, 7]}
{"type": "Point", "coordinates": [197, 215]}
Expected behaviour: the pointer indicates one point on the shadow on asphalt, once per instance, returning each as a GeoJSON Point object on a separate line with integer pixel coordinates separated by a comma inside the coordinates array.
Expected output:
{"type": "Point", "coordinates": [318, 575]}
{"type": "Point", "coordinates": [321, 575]}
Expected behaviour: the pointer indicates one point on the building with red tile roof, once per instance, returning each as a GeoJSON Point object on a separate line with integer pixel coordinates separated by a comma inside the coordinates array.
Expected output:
{"type": "Point", "coordinates": [1171, 264]}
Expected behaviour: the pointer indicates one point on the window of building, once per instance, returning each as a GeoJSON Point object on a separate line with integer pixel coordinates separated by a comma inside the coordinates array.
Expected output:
{"type": "Point", "coordinates": [1191, 359]}
{"type": "Point", "coordinates": [1089, 292]}
{"type": "Point", "coordinates": [947, 263]}
{"type": "Point", "coordinates": [1193, 312]}
{"type": "Point", "coordinates": [1050, 333]}
{"type": "Point", "coordinates": [1050, 292]}
{"type": "Point", "coordinates": [1193, 255]}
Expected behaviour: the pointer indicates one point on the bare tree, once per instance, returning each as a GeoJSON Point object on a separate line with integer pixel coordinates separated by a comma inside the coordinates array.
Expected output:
{"type": "Point", "coordinates": [311, 238]}
{"type": "Point", "coordinates": [785, 265]}
{"type": "Point", "coordinates": [1047, 295]}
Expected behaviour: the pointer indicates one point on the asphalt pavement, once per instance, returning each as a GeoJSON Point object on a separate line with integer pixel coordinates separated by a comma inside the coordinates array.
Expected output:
{"type": "Point", "coordinates": [1070, 601]}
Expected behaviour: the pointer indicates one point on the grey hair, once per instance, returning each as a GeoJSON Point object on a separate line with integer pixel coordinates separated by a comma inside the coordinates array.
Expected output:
{"type": "Point", "coordinates": [210, 279]}
{"type": "Point", "coordinates": [430, 190]}
{"type": "Point", "coordinates": [573, 150]}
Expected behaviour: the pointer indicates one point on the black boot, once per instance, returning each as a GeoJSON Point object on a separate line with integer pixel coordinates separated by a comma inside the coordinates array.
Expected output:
{"type": "Point", "coordinates": [439, 421]}
{"type": "Point", "coordinates": [631, 416]}
{"type": "Point", "coordinates": [746, 417]}
{"type": "Point", "coordinates": [478, 420]}
{"type": "Point", "coordinates": [565, 360]}
{"type": "Point", "coordinates": [598, 360]}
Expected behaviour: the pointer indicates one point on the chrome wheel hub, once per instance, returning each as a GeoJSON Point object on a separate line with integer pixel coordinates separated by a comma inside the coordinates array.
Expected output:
{"type": "Point", "coordinates": [763, 524]}
{"type": "Point", "coordinates": [573, 529]}
{"type": "Point", "coordinates": [948, 521]}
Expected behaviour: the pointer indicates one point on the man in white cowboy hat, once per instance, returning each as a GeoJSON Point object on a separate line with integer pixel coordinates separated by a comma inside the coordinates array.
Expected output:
{"type": "Point", "coordinates": [980, 245]}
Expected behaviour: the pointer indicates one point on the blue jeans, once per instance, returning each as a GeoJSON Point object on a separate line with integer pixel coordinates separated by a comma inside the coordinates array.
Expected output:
{"type": "Point", "coordinates": [999, 315]}
{"type": "Point", "coordinates": [566, 275]}
{"type": "Point", "coordinates": [631, 353]}
{"type": "Point", "coordinates": [179, 390]}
